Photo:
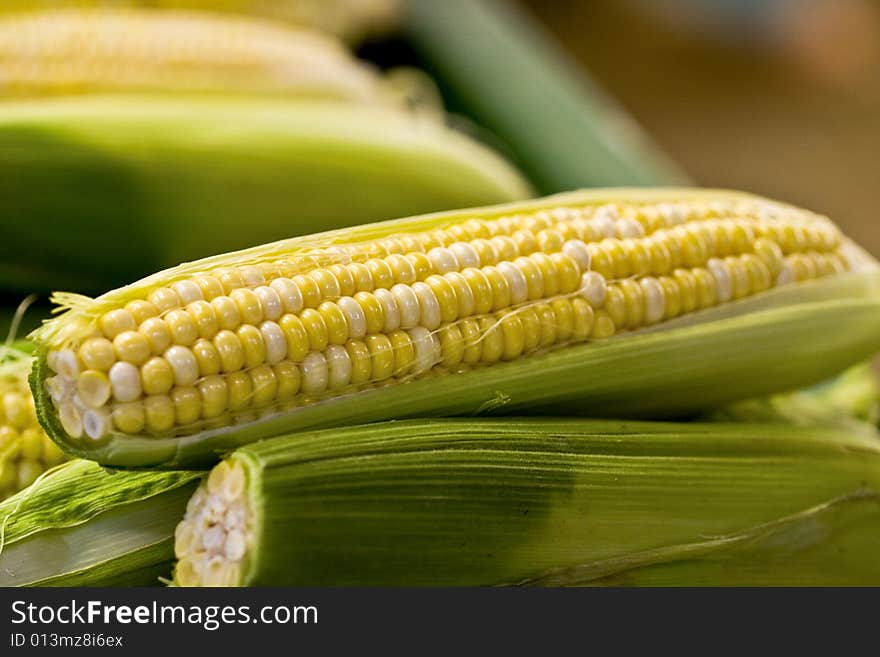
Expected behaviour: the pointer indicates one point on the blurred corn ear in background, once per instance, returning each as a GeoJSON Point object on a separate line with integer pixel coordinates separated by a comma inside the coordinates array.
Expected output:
{"type": "Point", "coordinates": [83, 50]}
{"type": "Point", "coordinates": [351, 20]}
{"type": "Point", "coordinates": [206, 162]}
{"type": "Point", "coordinates": [25, 450]}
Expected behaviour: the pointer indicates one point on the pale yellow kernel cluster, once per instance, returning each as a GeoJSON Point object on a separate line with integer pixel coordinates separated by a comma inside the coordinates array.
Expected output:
{"type": "Point", "coordinates": [233, 343]}
{"type": "Point", "coordinates": [213, 541]}
{"type": "Point", "coordinates": [110, 49]}
{"type": "Point", "coordinates": [26, 451]}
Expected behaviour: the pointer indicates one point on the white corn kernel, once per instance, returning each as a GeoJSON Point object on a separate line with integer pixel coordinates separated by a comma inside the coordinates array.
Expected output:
{"type": "Point", "coordinates": [125, 379]}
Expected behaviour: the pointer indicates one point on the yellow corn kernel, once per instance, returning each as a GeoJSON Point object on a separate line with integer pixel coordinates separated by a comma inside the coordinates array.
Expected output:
{"type": "Point", "coordinates": [706, 288]}
{"type": "Point", "coordinates": [157, 377]}
{"type": "Point", "coordinates": [205, 318]}
{"type": "Point", "coordinates": [229, 349]}
{"type": "Point", "coordinates": [634, 298]}
{"type": "Point", "coordinates": [159, 413]}
{"type": "Point", "coordinates": [383, 276]}
{"type": "Point", "coordinates": [207, 357]}
{"type": "Point", "coordinates": [187, 405]}
{"type": "Point", "coordinates": [141, 310]}
{"type": "Point", "coordinates": [164, 299]}
{"type": "Point", "coordinates": [315, 328]}
{"type": "Point", "coordinates": [361, 366]}
{"type": "Point", "coordinates": [97, 354]}
{"type": "Point", "coordinates": [616, 306]}
{"type": "Point", "coordinates": [181, 327]}
{"type": "Point", "coordinates": [568, 274]}
{"type": "Point", "coordinates": [265, 385]}
{"type": "Point", "coordinates": [600, 261]}
{"type": "Point", "coordinates": [129, 417]}
{"type": "Point", "coordinates": [491, 340]}
{"type": "Point", "coordinates": [547, 319]}
{"type": "Point", "coordinates": [214, 394]}
{"type": "Point", "coordinates": [241, 390]}
{"type": "Point", "coordinates": [672, 294]}
{"type": "Point", "coordinates": [381, 356]}
{"type": "Point", "coordinates": [297, 337]}
{"type": "Point", "coordinates": [470, 335]}
{"type": "Point", "coordinates": [309, 290]}
{"type": "Point", "coordinates": [288, 380]}
{"type": "Point", "coordinates": [226, 312]}
{"type": "Point", "coordinates": [132, 347]}
{"type": "Point", "coordinates": [404, 352]}
{"type": "Point", "coordinates": [115, 322]}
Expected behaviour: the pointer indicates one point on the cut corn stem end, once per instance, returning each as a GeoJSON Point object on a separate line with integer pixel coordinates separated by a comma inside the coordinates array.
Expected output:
{"type": "Point", "coordinates": [214, 539]}
{"type": "Point", "coordinates": [232, 339]}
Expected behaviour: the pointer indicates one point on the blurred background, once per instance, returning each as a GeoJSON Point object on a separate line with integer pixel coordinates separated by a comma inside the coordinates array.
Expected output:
{"type": "Point", "coordinates": [779, 97]}
{"type": "Point", "coordinates": [153, 111]}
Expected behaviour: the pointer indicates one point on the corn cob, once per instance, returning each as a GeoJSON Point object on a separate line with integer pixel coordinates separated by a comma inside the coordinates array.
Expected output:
{"type": "Point", "coordinates": [25, 450]}
{"type": "Point", "coordinates": [541, 502]}
{"type": "Point", "coordinates": [77, 51]}
{"type": "Point", "coordinates": [150, 182]}
{"type": "Point", "coordinates": [352, 20]}
{"type": "Point", "coordinates": [504, 309]}
{"type": "Point", "coordinates": [82, 525]}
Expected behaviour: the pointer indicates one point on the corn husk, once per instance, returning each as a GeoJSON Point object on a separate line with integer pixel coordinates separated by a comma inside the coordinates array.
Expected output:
{"type": "Point", "coordinates": [82, 525]}
{"type": "Point", "coordinates": [557, 502]}
{"type": "Point", "coordinates": [108, 189]}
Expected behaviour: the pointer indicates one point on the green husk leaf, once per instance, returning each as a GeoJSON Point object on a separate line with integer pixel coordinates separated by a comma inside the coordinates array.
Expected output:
{"type": "Point", "coordinates": [499, 67]}
{"type": "Point", "coordinates": [850, 401]}
{"type": "Point", "coordinates": [563, 501]}
{"type": "Point", "coordinates": [183, 178]}
{"type": "Point", "coordinates": [82, 525]}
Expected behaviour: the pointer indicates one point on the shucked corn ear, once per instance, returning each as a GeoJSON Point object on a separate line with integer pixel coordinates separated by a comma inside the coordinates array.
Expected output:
{"type": "Point", "coordinates": [605, 302]}
{"type": "Point", "coordinates": [25, 450]}
{"type": "Point", "coordinates": [351, 20]}
{"type": "Point", "coordinates": [76, 51]}
{"type": "Point", "coordinates": [82, 525]}
{"type": "Point", "coordinates": [539, 502]}
{"type": "Point", "coordinates": [142, 183]}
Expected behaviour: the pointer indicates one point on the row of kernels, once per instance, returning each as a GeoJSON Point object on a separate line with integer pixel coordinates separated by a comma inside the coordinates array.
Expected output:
{"type": "Point", "coordinates": [800, 236]}
{"type": "Point", "coordinates": [637, 302]}
{"type": "Point", "coordinates": [378, 357]}
{"type": "Point", "coordinates": [686, 246]}
{"type": "Point", "coordinates": [486, 242]}
{"type": "Point", "coordinates": [800, 267]}
{"type": "Point", "coordinates": [335, 280]}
